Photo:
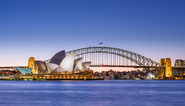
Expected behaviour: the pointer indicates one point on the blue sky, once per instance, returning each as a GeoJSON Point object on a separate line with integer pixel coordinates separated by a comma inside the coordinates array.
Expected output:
{"type": "Point", "coordinates": [40, 28]}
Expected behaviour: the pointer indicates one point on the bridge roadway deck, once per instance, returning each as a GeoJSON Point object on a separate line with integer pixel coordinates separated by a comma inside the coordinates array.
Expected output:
{"type": "Point", "coordinates": [134, 66]}
{"type": "Point", "coordinates": [124, 66]}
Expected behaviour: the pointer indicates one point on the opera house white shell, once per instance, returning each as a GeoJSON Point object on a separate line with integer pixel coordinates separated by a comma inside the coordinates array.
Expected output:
{"type": "Point", "coordinates": [86, 65]}
{"type": "Point", "coordinates": [68, 61]}
{"type": "Point", "coordinates": [41, 66]}
{"type": "Point", "coordinates": [58, 57]}
{"type": "Point", "coordinates": [54, 67]}
{"type": "Point", "coordinates": [78, 64]}
{"type": "Point", "coordinates": [62, 63]}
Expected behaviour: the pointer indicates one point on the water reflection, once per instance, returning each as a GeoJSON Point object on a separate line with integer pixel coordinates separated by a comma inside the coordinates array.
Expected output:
{"type": "Point", "coordinates": [92, 93]}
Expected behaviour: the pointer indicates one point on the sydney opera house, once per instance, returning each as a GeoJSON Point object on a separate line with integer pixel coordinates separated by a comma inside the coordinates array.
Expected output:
{"type": "Point", "coordinates": [60, 66]}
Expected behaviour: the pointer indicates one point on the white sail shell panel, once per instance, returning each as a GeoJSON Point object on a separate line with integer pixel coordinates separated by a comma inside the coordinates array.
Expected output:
{"type": "Point", "coordinates": [58, 57]}
{"type": "Point", "coordinates": [86, 65]}
{"type": "Point", "coordinates": [68, 62]}
{"type": "Point", "coordinates": [42, 66]}
{"type": "Point", "coordinates": [52, 66]}
{"type": "Point", "coordinates": [59, 69]}
{"type": "Point", "coordinates": [78, 64]}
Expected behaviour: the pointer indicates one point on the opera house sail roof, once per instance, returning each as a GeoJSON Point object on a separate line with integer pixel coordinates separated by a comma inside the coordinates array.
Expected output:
{"type": "Point", "coordinates": [42, 66]}
{"type": "Point", "coordinates": [68, 61]}
{"type": "Point", "coordinates": [55, 68]}
{"type": "Point", "coordinates": [63, 63]}
{"type": "Point", "coordinates": [77, 64]}
{"type": "Point", "coordinates": [58, 57]}
{"type": "Point", "coordinates": [86, 65]}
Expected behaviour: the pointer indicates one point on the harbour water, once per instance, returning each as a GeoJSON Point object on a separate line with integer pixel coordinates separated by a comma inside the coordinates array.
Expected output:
{"type": "Point", "coordinates": [93, 93]}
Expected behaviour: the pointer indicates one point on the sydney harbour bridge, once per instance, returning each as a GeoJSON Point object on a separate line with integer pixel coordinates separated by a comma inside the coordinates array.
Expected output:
{"type": "Point", "coordinates": [116, 57]}
{"type": "Point", "coordinates": [113, 57]}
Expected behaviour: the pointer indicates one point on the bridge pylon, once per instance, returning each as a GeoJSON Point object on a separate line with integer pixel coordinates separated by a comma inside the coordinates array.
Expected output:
{"type": "Point", "coordinates": [165, 72]}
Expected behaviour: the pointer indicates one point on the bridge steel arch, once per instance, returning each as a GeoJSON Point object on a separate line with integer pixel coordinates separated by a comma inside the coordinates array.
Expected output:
{"type": "Point", "coordinates": [134, 57]}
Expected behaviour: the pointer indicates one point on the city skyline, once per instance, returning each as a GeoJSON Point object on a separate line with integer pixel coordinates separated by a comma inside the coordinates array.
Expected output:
{"type": "Point", "coordinates": [154, 29]}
